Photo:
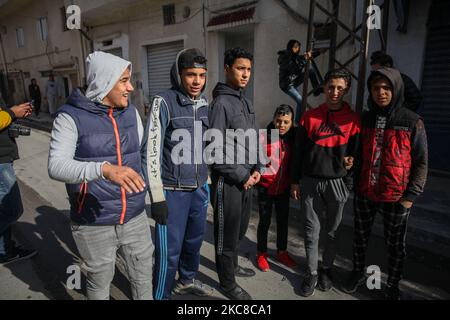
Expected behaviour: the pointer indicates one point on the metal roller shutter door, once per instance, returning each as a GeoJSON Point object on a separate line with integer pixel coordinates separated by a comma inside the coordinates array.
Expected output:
{"type": "Point", "coordinates": [436, 86]}
{"type": "Point", "coordinates": [160, 59]}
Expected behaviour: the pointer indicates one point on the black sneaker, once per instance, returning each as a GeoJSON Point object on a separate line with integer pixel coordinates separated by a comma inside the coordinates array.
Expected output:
{"type": "Point", "coordinates": [355, 279]}
{"type": "Point", "coordinates": [244, 272]}
{"type": "Point", "coordinates": [17, 254]}
{"type": "Point", "coordinates": [325, 282]}
{"type": "Point", "coordinates": [195, 287]}
{"type": "Point", "coordinates": [237, 293]}
{"type": "Point", "coordinates": [308, 285]}
{"type": "Point", "coordinates": [392, 293]}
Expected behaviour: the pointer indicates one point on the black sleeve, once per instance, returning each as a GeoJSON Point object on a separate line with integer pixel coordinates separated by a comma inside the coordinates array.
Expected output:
{"type": "Point", "coordinates": [298, 154]}
{"type": "Point", "coordinates": [419, 163]}
{"type": "Point", "coordinates": [315, 53]}
{"type": "Point", "coordinates": [412, 94]}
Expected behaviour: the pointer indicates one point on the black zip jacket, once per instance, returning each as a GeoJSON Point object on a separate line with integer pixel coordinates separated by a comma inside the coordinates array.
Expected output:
{"type": "Point", "coordinates": [231, 110]}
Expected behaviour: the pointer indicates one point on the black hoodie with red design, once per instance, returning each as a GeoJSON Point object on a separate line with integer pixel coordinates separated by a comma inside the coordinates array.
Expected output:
{"type": "Point", "coordinates": [324, 138]}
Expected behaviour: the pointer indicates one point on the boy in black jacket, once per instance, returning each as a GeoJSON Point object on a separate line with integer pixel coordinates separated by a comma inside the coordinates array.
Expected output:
{"type": "Point", "coordinates": [232, 182]}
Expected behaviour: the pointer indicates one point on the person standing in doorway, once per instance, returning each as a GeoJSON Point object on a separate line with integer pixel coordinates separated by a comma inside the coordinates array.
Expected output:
{"type": "Point", "coordinates": [35, 94]}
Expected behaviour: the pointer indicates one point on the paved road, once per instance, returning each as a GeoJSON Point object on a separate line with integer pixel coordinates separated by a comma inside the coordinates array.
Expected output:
{"type": "Point", "coordinates": [45, 225]}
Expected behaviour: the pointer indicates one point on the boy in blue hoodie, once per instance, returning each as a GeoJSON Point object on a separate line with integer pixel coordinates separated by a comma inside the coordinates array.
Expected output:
{"type": "Point", "coordinates": [178, 186]}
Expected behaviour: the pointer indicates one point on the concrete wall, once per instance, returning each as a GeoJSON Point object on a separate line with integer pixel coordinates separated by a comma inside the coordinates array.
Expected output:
{"type": "Point", "coordinates": [37, 55]}
{"type": "Point", "coordinates": [142, 25]}
{"type": "Point", "coordinates": [408, 49]}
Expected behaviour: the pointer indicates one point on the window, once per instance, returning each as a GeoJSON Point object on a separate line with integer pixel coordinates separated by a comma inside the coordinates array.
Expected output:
{"type": "Point", "coordinates": [20, 38]}
{"type": "Point", "coordinates": [169, 14]}
{"type": "Point", "coordinates": [42, 28]}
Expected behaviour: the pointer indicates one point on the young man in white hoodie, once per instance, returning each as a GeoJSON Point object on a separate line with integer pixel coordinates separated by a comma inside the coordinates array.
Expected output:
{"type": "Point", "coordinates": [95, 150]}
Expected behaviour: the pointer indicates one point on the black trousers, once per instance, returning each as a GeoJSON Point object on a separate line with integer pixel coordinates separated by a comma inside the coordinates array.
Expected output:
{"type": "Point", "coordinates": [232, 205]}
{"type": "Point", "coordinates": [266, 203]}
{"type": "Point", "coordinates": [395, 220]}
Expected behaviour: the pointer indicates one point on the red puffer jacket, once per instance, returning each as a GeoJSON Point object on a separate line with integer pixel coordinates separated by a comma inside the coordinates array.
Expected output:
{"type": "Point", "coordinates": [276, 177]}
{"type": "Point", "coordinates": [394, 150]}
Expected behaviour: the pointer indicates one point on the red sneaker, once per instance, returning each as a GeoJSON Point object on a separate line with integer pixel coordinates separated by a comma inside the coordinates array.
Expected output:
{"type": "Point", "coordinates": [261, 260]}
{"type": "Point", "coordinates": [285, 258]}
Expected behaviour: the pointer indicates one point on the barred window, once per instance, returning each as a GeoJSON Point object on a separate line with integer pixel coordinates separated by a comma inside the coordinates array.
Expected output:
{"type": "Point", "coordinates": [169, 14]}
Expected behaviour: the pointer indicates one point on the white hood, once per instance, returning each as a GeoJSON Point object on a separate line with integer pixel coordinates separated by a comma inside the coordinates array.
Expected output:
{"type": "Point", "coordinates": [103, 72]}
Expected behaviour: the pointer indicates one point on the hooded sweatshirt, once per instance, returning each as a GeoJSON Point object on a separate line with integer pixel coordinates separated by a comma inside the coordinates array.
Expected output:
{"type": "Point", "coordinates": [102, 77]}
{"type": "Point", "coordinates": [173, 112]}
{"type": "Point", "coordinates": [85, 135]}
{"type": "Point", "coordinates": [231, 110]}
{"type": "Point", "coordinates": [393, 161]}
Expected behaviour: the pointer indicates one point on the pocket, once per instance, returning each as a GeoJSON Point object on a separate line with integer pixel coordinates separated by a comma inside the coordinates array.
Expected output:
{"type": "Point", "coordinates": [183, 123]}
{"type": "Point", "coordinates": [401, 209]}
{"type": "Point", "coordinates": [205, 122]}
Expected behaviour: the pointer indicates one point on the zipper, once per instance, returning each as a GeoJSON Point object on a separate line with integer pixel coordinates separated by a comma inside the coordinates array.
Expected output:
{"type": "Point", "coordinates": [82, 196]}
{"type": "Point", "coordinates": [119, 163]}
{"type": "Point", "coordinates": [195, 149]}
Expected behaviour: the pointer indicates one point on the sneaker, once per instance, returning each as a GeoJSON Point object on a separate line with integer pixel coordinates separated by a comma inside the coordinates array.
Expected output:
{"type": "Point", "coordinates": [244, 272]}
{"type": "Point", "coordinates": [392, 293]}
{"type": "Point", "coordinates": [325, 282]}
{"type": "Point", "coordinates": [17, 254]}
{"type": "Point", "coordinates": [308, 285]}
{"type": "Point", "coordinates": [285, 258]}
{"type": "Point", "coordinates": [261, 260]}
{"type": "Point", "coordinates": [195, 287]}
{"type": "Point", "coordinates": [237, 293]}
{"type": "Point", "coordinates": [355, 279]}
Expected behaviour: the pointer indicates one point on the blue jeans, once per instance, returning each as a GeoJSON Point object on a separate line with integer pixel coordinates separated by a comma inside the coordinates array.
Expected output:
{"type": "Point", "coordinates": [294, 94]}
{"type": "Point", "coordinates": [10, 205]}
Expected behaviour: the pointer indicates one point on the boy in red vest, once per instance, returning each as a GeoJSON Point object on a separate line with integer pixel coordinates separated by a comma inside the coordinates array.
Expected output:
{"type": "Point", "coordinates": [273, 188]}
{"type": "Point", "coordinates": [392, 173]}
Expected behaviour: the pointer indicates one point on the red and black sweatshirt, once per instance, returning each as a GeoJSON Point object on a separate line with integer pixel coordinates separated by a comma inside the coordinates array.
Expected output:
{"type": "Point", "coordinates": [323, 139]}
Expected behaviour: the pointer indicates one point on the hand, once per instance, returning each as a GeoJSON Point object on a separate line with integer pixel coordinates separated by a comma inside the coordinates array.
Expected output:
{"type": "Point", "coordinates": [159, 212]}
{"type": "Point", "coordinates": [406, 203]}
{"type": "Point", "coordinates": [348, 162]}
{"type": "Point", "coordinates": [250, 183]}
{"type": "Point", "coordinates": [22, 110]}
{"type": "Point", "coordinates": [295, 191]}
{"type": "Point", "coordinates": [257, 176]}
{"type": "Point", "coordinates": [308, 55]}
{"type": "Point", "coordinates": [125, 177]}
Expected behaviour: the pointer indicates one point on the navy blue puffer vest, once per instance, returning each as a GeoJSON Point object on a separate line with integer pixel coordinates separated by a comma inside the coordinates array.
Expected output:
{"type": "Point", "coordinates": [101, 202]}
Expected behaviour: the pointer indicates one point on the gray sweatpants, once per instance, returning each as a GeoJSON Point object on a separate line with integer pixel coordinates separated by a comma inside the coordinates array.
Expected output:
{"type": "Point", "coordinates": [318, 197]}
{"type": "Point", "coordinates": [98, 246]}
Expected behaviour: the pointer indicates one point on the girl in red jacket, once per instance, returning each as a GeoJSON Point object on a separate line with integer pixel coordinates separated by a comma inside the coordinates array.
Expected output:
{"type": "Point", "coordinates": [274, 185]}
